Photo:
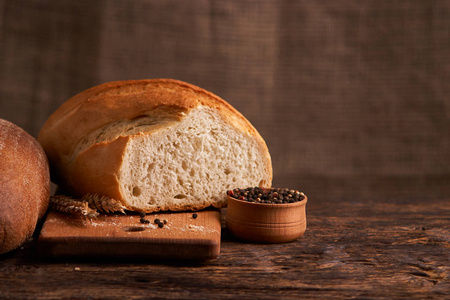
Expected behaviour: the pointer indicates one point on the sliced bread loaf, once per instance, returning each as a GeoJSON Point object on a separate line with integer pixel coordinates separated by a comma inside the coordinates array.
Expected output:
{"type": "Point", "coordinates": [155, 145]}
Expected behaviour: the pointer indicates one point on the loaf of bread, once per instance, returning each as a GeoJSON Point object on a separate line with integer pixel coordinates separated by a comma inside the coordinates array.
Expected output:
{"type": "Point", "coordinates": [154, 145]}
{"type": "Point", "coordinates": [24, 185]}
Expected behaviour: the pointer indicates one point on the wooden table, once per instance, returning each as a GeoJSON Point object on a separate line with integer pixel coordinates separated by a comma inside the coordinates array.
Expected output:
{"type": "Point", "coordinates": [380, 249]}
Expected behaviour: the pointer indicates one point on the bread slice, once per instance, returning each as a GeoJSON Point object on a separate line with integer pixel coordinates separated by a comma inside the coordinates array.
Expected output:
{"type": "Point", "coordinates": [155, 145]}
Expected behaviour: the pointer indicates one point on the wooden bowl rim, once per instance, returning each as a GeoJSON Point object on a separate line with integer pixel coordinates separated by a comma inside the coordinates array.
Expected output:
{"type": "Point", "coordinates": [287, 205]}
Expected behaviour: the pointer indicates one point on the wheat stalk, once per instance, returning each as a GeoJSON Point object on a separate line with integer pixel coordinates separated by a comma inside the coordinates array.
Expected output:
{"type": "Point", "coordinates": [71, 206]}
{"type": "Point", "coordinates": [103, 203]}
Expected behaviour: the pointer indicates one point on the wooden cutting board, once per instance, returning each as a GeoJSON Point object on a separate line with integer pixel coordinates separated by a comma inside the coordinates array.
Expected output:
{"type": "Point", "coordinates": [183, 237]}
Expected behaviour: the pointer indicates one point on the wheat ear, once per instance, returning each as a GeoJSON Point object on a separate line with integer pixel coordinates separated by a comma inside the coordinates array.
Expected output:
{"type": "Point", "coordinates": [71, 206]}
{"type": "Point", "coordinates": [103, 203]}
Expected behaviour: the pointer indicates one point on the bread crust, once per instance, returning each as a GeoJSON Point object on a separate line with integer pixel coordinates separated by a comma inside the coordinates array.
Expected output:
{"type": "Point", "coordinates": [101, 162]}
{"type": "Point", "coordinates": [95, 108]}
{"type": "Point", "coordinates": [113, 101]}
{"type": "Point", "coordinates": [24, 185]}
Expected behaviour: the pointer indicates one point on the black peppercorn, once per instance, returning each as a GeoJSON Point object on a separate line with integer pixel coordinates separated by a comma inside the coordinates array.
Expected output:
{"type": "Point", "coordinates": [142, 214]}
{"type": "Point", "coordinates": [262, 195]}
{"type": "Point", "coordinates": [157, 221]}
{"type": "Point", "coordinates": [142, 220]}
{"type": "Point", "coordinates": [194, 216]}
{"type": "Point", "coordinates": [160, 224]}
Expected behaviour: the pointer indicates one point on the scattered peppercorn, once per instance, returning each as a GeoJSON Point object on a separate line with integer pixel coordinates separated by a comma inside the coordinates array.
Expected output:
{"type": "Point", "coordinates": [165, 221]}
{"type": "Point", "coordinates": [157, 221]}
{"type": "Point", "coordinates": [194, 216]}
{"type": "Point", "coordinates": [160, 224]}
{"type": "Point", "coordinates": [142, 220]}
{"type": "Point", "coordinates": [271, 196]}
{"type": "Point", "coordinates": [142, 214]}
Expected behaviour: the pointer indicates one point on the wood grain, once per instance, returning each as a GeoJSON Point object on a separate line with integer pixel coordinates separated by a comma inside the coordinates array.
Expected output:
{"type": "Point", "coordinates": [266, 223]}
{"type": "Point", "coordinates": [115, 236]}
{"type": "Point", "coordinates": [383, 249]}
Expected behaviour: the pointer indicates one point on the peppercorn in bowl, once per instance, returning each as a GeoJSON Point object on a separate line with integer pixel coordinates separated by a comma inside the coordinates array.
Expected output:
{"type": "Point", "coordinates": [266, 215]}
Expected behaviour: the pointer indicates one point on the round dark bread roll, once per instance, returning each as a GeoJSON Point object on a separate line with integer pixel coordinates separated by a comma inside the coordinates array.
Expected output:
{"type": "Point", "coordinates": [24, 185]}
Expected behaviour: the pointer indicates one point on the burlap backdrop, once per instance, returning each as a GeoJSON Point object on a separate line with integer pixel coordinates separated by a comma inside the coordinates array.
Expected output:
{"type": "Point", "coordinates": [352, 97]}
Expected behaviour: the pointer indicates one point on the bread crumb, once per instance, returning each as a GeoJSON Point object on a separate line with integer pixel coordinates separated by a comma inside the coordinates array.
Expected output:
{"type": "Point", "coordinates": [196, 228]}
{"type": "Point", "coordinates": [77, 269]}
{"type": "Point", "coordinates": [151, 226]}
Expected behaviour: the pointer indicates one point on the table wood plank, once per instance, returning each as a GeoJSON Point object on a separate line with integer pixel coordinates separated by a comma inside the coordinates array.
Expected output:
{"type": "Point", "coordinates": [117, 235]}
{"type": "Point", "coordinates": [382, 249]}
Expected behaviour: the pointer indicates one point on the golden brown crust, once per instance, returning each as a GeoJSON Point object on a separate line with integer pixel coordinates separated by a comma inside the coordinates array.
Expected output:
{"type": "Point", "coordinates": [113, 101]}
{"type": "Point", "coordinates": [84, 115]}
{"type": "Point", "coordinates": [94, 171]}
{"type": "Point", "coordinates": [24, 185]}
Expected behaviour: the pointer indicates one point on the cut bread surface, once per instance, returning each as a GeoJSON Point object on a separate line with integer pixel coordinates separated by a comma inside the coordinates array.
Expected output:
{"type": "Point", "coordinates": [190, 164]}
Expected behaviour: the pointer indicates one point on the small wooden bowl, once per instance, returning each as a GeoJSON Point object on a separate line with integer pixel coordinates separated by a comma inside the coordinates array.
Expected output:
{"type": "Point", "coordinates": [266, 223]}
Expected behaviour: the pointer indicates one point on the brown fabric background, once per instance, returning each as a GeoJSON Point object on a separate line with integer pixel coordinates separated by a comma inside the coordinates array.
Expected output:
{"type": "Point", "coordinates": [352, 97]}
